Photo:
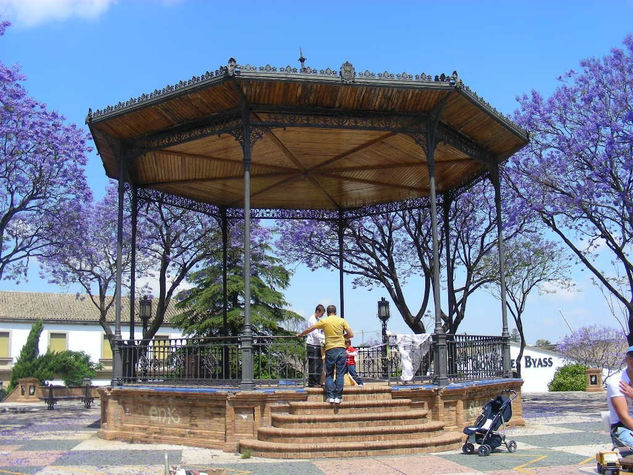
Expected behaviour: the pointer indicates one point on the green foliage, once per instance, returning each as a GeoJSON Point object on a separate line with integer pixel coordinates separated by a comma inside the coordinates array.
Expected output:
{"type": "Point", "coordinates": [28, 354]}
{"type": "Point", "coordinates": [30, 350]}
{"type": "Point", "coordinates": [202, 305]}
{"type": "Point", "coordinates": [543, 343]}
{"type": "Point", "coordinates": [247, 453]}
{"type": "Point", "coordinates": [71, 366]}
{"type": "Point", "coordinates": [570, 377]}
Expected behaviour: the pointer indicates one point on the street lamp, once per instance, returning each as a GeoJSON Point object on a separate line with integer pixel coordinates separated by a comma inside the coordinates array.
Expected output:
{"type": "Point", "coordinates": [145, 312]}
{"type": "Point", "coordinates": [383, 315]}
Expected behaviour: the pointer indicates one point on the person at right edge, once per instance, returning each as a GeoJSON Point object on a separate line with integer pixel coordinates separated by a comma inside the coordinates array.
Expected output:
{"type": "Point", "coordinates": [620, 399]}
{"type": "Point", "coordinates": [336, 331]}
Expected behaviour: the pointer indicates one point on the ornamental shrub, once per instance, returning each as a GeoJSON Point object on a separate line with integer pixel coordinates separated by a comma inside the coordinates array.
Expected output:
{"type": "Point", "coordinates": [571, 377]}
{"type": "Point", "coordinates": [71, 366]}
{"type": "Point", "coordinates": [28, 354]}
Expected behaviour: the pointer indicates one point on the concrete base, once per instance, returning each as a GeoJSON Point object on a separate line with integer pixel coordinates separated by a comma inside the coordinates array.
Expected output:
{"type": "Point", "coordinates": [219, 418]}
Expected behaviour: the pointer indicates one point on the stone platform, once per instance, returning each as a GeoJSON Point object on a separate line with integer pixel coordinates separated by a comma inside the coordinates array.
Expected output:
{"type": "Point", "coordinates": [268, 422]}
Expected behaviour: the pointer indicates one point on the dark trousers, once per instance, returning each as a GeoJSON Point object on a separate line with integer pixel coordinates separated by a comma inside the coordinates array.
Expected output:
{"type": "Point", "coordinates": [351, 370]}
{"type": "Point", "coordinates": [315, 365]}
{"type": "Point", "coordinates": [334, 360]}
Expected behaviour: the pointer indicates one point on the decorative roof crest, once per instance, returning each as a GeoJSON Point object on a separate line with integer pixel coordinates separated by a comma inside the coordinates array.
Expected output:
{"type": "Point", "coordinates": [348, 73]}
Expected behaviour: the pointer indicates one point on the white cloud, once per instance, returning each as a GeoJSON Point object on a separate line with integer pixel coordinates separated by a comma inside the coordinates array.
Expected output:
{"type": "Point", "coordinates": [559, 290]}
{"type": "Point", "coordinates": [30, 13]}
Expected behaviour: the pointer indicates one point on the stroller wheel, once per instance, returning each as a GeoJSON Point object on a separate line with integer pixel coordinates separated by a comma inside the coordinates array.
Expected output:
{"type": "Point", "coordinates": [512, 446]}
{"type": "Point", "coordinates": [468, 448]}
{"type": "Point", "coordinates": [484, 450]}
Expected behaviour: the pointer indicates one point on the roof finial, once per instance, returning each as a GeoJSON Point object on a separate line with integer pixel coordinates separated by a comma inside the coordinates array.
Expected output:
{"type": "Point", "coordinates": [230, 67]}
{"type": "Point", "coordinates": [302, 60]}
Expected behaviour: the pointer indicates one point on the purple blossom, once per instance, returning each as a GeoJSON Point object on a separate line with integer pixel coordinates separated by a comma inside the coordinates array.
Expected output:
{"type": "Point", "coordinates": [42, 178]}
{"type": "Point", "coordinates": [576, 174]}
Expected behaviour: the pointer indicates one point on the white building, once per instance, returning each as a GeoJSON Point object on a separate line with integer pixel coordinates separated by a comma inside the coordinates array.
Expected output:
{"type": "Point", "coordinates": [71, 322]}
{"type": "Point", "coordinates": [537, 366]}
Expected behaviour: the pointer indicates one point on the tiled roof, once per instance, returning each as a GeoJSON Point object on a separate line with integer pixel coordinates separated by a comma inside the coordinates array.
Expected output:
{"type": "Point", "coordinates": [51, 307]}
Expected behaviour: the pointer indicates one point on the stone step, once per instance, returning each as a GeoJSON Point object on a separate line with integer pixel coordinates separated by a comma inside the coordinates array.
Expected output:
{"type": "Point", "coordinates": [366, 392]}
{"type": "Point", "coordinates": [349, 419]}
{"type": "Point", "coordinates": [349, 434]}
{"type": "Point", "coordinates": [354, 405]}
{"type": "Point", "coordinates": [362, 448]}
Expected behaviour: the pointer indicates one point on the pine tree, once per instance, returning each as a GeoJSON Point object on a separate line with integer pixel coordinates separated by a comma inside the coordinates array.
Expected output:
{"type": "Point", "coordinates": [28, 354]}
{"type": "Point", "coordinates": [202, 305]}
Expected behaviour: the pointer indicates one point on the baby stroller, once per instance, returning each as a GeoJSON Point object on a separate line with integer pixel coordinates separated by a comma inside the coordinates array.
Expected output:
{"type": "Point", "coordinates": [494, 414]}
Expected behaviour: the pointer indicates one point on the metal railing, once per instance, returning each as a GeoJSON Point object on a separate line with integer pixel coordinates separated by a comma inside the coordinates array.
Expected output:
{"type": "Point", "coordinates": [282, 360]}
{"type": "Point", "coordinates": [474, 357]}
{"type": "Point", "coordinates": [211, 361]}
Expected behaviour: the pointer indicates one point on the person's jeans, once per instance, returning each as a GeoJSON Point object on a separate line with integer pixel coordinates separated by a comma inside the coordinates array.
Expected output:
{"type": "Point", "coordinates": [351, 369]}
{"type": "Point", "coordinates": [335, 359]}
{"type": "Point", "coordinates": [622, 437]}
{"type": "Point", "coordinates": [314, 365]}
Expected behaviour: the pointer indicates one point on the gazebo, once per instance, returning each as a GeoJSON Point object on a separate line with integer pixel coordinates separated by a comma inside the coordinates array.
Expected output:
{"type": "Point", "coordinates": [254, 142]}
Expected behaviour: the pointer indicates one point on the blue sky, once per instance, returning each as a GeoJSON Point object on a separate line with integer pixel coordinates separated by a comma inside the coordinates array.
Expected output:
{"type": "Point", "coordinates": [78, 54]}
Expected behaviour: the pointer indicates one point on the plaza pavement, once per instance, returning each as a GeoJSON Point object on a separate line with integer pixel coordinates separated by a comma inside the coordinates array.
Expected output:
{"type": "Point", "coordinates": [561, 436]}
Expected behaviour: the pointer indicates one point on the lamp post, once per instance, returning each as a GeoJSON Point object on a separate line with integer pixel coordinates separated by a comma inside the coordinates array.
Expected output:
{"type": "Point", "coordinates": [145, 312]}
{"type": "Point", "coordinates": [383, 315]}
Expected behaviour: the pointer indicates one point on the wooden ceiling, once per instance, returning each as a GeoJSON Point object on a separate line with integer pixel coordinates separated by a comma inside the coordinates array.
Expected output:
{"type": "Point", "coordinates": [323, 140]}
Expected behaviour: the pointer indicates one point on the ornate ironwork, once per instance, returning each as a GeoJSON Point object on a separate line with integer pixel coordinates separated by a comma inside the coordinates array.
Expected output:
{"type": "Point", "coordinates": [472, 357]}
{"type": "Point", "coordinates": [456, 140]}
{"type": "Point", "coordinates": [256, 133]}
{"type": "Point", "coordinates": [342, 119]}
{"type": "Point", "coordinates": [283, 360]}
{"type": "Point", "coordinates": [208, 77]}
{"type": "Point", "coordinates": [216, 125]}
{"type": "Point", "coordinates": [504, 119]}
{"type": "Point", "coordinates": [155, 196]}
{"type": "Point", "coordinates": [347, 73]}
{"type": "Point", "coordinates": [270, 213]}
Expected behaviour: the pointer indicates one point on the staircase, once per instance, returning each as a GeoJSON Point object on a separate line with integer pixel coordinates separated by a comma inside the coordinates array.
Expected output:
{"type": "Point", "coordinates": [367, 422]}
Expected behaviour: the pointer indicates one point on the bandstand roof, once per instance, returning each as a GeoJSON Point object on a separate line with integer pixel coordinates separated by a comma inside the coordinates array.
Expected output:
{"type": "Point", "coordinates": [325, 140]}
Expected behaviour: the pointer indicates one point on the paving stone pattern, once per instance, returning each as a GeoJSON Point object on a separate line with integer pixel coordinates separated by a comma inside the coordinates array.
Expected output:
{"type": "Point", "coordinates": [562, 434]}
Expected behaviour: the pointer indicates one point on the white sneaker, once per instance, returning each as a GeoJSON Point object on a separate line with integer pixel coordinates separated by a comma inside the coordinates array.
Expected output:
{"type": "Point", "coordinates": [336, 400]}
{"type": "Point", "coordinates": [331, 400]}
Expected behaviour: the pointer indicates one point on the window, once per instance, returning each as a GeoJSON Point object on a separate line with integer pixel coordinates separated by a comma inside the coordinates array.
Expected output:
{"type": "Point", "coordinates": [106, 349]}
{"type": "Point", "coordinates": [161, 347]}
{"type": "Point", "coordinates": [4, 345]}
{"type": "Point", "coordinates": [57, 342]}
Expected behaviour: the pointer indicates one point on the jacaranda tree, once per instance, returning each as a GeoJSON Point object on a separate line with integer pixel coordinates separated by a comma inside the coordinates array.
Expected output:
{"type": "Point", "coordinates": [174, 242]}
{"type": "Point", "coordinates": [389, 249]}
{"type": "Point", "coordinates": [532, 263]}
{"type": "Point", "coordinates": [85, 254]}
{"type": "Point", "coordinates": [595, 346]}
{"type": "Point", "coordinates": [577, 172]}
{"type": "Point", "coordinates": [42, 178]}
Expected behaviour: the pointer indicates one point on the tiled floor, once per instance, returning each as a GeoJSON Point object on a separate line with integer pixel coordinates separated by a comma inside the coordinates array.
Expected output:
{"type": "Point", "coordinates": [64, 442]}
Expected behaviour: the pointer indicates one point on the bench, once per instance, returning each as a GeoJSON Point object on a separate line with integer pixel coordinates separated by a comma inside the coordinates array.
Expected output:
{"type": "Point", "coordinates": [51, 398]}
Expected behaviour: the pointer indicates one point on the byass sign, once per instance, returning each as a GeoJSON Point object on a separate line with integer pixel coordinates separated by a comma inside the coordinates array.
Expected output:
{"type": "Point", "coordinates": [534, 362]}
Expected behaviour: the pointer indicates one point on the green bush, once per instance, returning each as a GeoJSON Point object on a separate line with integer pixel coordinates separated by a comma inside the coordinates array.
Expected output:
{"type": "Point", "coordinates": [570, 377]}
{"type": "Point", "coordinates": [71, 366]}
{"type": "Point", "coordinates": [28, 354]}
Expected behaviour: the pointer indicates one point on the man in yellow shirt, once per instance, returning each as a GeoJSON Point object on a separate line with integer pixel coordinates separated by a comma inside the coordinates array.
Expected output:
{"type": "Point", "coordinates": [336, 330]}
